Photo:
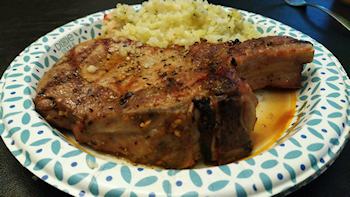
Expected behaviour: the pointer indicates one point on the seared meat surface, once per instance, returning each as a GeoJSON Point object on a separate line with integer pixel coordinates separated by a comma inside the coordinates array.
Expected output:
{"type": "Point", "coordinates": [166, 107]}
{"type": "Point", "coordinates": [275, 61]}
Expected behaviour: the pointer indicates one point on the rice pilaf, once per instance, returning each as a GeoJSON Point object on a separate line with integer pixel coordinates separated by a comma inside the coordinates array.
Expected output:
{"type": "Point", "coordinates": [161, 23]}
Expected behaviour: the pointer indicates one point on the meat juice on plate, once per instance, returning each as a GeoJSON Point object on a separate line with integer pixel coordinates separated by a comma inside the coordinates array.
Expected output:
{"type": "Point", "coordinates": [274, 112]}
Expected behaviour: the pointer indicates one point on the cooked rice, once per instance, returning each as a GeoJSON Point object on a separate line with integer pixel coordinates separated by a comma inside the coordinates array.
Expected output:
{"type": "Point", "coordinates": [183, 22]}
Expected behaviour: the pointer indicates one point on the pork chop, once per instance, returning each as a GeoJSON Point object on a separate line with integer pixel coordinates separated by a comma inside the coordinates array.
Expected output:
{"type": "Point", "coordinates": [275, 61]}
{"type": "Point", "coordinates": [158, 106]}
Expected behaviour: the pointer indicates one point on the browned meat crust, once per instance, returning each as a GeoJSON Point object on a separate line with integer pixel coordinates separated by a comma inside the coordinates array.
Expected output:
{"type": "Point", "coordinates": [165, 107]}
{"type": "Point", "coordinates": [161, 115]}
{"type": "Point", "coordinates": [275, 61]}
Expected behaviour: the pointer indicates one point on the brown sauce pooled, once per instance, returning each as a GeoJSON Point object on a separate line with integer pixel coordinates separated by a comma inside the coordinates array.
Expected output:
{"type": "Point", "coordinates": [275, 112]}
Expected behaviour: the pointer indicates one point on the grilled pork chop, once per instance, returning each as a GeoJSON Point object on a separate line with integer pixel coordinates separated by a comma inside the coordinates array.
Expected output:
{"type": "Point", "coordinates": [166, 107]}
{"type": "Point", "coordinates": [274, 61]}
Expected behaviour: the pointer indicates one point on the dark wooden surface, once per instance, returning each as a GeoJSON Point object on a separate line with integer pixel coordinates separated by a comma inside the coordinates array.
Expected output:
{"type": "Point", "coordinates": [22, 22]}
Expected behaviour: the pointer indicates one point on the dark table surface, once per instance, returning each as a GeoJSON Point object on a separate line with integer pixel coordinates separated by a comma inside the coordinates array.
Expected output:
{"type": "Point", "coordinates": [22, 22]}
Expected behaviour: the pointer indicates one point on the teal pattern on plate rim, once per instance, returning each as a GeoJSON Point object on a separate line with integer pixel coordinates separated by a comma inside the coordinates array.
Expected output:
{"type": "Point", "coordinates": [315, 138]}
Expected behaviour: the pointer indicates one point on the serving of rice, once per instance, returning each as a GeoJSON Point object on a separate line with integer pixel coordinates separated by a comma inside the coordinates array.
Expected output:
{"type": "Point", "coordinates": [161, 23]}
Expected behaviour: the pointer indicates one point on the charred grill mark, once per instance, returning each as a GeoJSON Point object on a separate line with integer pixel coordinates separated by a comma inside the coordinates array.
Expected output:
{"type": "Point", "coordinates": [62, 78]}
{"type": "Point", "coordinates": [202, 104]}
{"type": "Point", "coordinates": [198, 80]}
{"type": "Point", "coordinates": [206, 126]}
{"type": "Point", "coordinates": [124, 99]}
{"type": "Point", "coordinates": [78, 102]}
{"type": "Point", "coordinates": [128, 95]}
{"type": "Point", "coordinates": [171, 82]}
{"type": "Point", "coordinates": [163, 75]}
{"type": "Point", "coordinates": [269, 44]}
{"type": "Point", "coordinates": [233, 62]}
{"type": "Point", "coordinates": [186, 87]}
{"type": "Point", "coordinates": [174, 72]}
{"type": "Point", "coordinates": [75, 73]}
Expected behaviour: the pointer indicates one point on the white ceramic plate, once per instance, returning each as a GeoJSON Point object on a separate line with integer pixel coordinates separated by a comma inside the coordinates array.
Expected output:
{"type": "Point", "coordinates": [316, 136]}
